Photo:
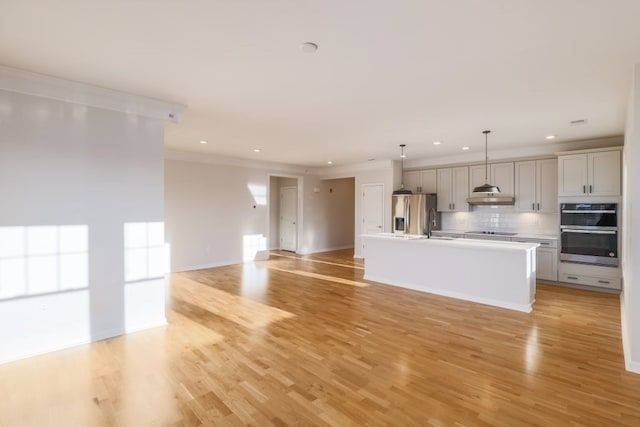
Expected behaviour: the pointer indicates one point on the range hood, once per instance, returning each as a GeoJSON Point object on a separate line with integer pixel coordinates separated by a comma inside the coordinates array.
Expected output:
{"type": "Point", "coordinates": [480, 199]}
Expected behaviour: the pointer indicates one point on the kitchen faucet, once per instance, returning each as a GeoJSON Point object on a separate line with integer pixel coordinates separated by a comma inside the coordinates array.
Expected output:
{"type": "Point", "coordinates": [431, 223]}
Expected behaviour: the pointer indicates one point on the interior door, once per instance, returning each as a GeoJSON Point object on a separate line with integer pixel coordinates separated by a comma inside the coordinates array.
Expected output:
{"type": "Point", "coordinates": [372, 208]}
{"type": "Point", "coordinates": [288, 216]}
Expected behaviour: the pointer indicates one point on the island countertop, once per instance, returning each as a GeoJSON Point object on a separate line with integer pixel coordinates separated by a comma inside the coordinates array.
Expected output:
{"type": "Point", "coordinates": [490, 272]}
{"type": "Point", "coordinates": [491, 244]}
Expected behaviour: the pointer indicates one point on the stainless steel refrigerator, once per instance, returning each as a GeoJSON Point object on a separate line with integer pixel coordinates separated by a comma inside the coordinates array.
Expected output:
{"type": "Point", "coordinates": [414, 213]}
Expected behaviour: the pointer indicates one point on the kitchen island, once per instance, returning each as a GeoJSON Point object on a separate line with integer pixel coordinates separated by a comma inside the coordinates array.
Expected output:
{"type": "Point", "coordinates": [502, 274]}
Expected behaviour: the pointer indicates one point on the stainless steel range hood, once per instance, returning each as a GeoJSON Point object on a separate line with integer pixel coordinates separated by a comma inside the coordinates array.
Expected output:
{"type": "Point", "coordinates": [480, 199]}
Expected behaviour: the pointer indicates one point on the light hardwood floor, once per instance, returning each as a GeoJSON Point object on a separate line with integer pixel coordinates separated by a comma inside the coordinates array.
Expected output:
{"type": "Point", "coordinates": [306, 341]}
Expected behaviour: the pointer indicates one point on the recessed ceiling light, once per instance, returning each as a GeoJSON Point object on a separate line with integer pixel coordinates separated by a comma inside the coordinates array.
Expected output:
{"type": "Point", "coordinates": [465, 148]}
{"type": "Point", "coordinates": [202, 141]}
{"type": "Point", "coordinates": [256, 150]}
{"type": "Point", "coordinates": [437, 142]}
{"type": "Point", "coordinates": [550, 136]}
{"type": "Point", "coordinates": [309, 47]}
{"type": "Point", "coordinates": [329, 162]}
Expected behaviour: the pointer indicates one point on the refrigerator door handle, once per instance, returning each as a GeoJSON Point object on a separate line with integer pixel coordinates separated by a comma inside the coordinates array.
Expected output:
{"type": "Point", "coordinates": [407, 210]}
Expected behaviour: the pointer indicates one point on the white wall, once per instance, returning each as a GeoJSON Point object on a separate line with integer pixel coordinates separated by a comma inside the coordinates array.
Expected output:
{"type": "Point", "coordinates": [63, 165]}
{"type": "Point", "coordinates": [630, 297]}
{"type": "Point", "coordinates": [212, 212]}
{"type": "Point", "coordinates": [333, 218]}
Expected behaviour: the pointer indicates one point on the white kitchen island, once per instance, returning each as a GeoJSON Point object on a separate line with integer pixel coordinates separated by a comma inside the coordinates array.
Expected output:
{"type": "Point", "coordinates": [501, 274]}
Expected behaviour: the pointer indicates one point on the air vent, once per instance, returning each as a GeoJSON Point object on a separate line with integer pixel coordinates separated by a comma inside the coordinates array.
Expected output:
{"type": "Point", "coordinates": [578, 122]}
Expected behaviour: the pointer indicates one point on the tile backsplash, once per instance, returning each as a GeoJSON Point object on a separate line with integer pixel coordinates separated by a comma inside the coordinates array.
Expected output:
{"type": "Point", "coordinates": [501, 218]}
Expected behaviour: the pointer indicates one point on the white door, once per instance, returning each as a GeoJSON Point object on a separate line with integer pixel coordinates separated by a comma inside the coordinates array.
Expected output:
{"type": "Point", "coordinates": [502, 176]}
{"type": "Point", "coordinates": [428, 181]}
{"type": "Point", "coordinates": [288, 216]}
{"type": "Point", "coordinates": [460, 186]}
{"type": "Point", "coordinates": [372, 208]}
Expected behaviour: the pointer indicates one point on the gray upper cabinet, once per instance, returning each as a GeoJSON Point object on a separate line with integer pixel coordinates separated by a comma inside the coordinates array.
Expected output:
{"type": "Point", "coordinates": [536, 186]}
{"type": "Point", "coordinates": [500, 174]}
{"type": "Point", "coordinates": [453, 189]}
{"type": "Point", "coordinates": [594, 173]}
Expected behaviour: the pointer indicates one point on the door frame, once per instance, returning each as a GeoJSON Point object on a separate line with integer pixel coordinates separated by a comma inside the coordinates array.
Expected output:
{"type": "Point", "coordinates": [288, 187]}
{"type": "Point", "coordinates": [358, 243]}
{"type": "Point", "coordinates": [300, 204]}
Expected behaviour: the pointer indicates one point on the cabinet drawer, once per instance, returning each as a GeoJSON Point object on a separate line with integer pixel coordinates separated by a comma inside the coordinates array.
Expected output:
{"type": "Point", "coordinates": [600, 282]}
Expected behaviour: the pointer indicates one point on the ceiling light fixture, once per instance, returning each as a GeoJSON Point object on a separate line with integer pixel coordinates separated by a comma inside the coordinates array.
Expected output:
{"type": "Point", "coordinates": [437, 142]}
{"type": "Point", "coordinates": [256, 150]}
{"type": "Point", "coordinates": [329, 162]}
{"type": "Point", "coordinates": [465, 148]}
{"type": "Point", "coordinates": [550, 137]}
{"type": "Point", "coordinates": [486, 187]}
{"type": "Point", "coordinates": [488, 194]}
{"type": "Point", "coordinates": [309, 47]}
{"type": "Point", "coordinates": [202, 141]}
{"type": "Point", "coordinates": [402, 190]}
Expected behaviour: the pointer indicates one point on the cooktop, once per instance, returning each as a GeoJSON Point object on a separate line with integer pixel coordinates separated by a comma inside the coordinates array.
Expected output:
{"type": "Point", "coordinates": [493, 233]}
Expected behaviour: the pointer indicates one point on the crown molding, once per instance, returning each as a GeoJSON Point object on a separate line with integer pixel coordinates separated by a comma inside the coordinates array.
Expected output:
{"type": "Point", "coordinates": [199, 157]}
{"type": "Point", "coordinates": [29, 83]}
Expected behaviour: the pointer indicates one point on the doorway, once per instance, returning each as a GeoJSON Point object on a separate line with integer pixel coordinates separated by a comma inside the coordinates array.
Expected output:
{"type": "Point", "coordinates": [372, 208]}
{"type": "Point", "coordinates": [284, 212]}
{"type": "Point", "coordinates": [288, 218]}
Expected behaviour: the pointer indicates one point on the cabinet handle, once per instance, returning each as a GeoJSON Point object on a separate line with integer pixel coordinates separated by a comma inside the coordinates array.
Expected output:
{"type": "Point", "coordinates": [590, 188]}
{"type": "Point", "coordinates": [544, 243]}
{"type": "Point", "coordinates": [538, 206]}
{"type": "Point", "coordinates": [606, 282]}
{"type": "Point", "coordinates": [572, 277]}
{"type": "Point", "coordinates": [584, 189]}
{"type": "Point", "coordinates": [533, 206]}
{"type": "Point", "coordinates": [454, 206]}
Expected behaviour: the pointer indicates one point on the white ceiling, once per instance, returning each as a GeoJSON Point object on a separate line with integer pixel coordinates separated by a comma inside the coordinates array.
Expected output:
{"type": "Point", "coordinates": [386, 73]}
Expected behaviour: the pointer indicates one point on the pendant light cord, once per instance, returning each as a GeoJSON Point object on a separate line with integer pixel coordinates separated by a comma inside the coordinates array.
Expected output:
{"type": "Point", "coordinates": [486, 156]}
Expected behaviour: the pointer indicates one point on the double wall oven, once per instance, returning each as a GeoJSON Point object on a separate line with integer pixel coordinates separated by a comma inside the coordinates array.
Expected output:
{"type": "Point", "coordinates": [589, 233]}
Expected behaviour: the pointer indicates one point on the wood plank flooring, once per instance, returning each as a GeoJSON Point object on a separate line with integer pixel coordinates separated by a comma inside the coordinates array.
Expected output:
{"type": "Point", "coordinates": [306, 341]}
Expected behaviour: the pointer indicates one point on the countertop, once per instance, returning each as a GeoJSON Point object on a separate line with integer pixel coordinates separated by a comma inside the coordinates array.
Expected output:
{"type": "Point", "coordinates": [461, 243]}
{"type": "Point", "coordinates": [516, 236]}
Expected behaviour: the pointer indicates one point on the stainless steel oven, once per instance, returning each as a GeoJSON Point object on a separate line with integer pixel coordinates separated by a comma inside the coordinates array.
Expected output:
{"type": "Point", "coordinates": [589, 233]}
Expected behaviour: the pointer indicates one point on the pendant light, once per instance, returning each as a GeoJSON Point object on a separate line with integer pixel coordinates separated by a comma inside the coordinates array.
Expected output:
{"type": "Point", "coordinates": [402, 190]}
{"type": "Point", "coordinates": [486, 187]}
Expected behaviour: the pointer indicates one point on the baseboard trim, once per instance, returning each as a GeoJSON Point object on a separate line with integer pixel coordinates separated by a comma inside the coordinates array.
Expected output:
{"type": "Point", "coordinates": [333, 248]}
{"type": "Point", "coordinates": [205, 266]}
{"type": "Point", "coordinates": [525, 308]}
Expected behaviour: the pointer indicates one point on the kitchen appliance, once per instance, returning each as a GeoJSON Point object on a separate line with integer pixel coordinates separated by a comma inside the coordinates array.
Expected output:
{"type": "Point", "coordinates": [589, 233]}
{"type": "Point", "coordinates": [488, 194]}
{"type": "Point", "coordinates": [415, 214]}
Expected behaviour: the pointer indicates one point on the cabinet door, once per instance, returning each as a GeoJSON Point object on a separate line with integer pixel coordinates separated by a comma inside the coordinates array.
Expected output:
{"type": "Point", "coordinates": [525, 191]}
{"type": "Point", "coordinates": [502, 176]}
{"type": "Point", "coordinates": [572, 175]}
{"type": "Point", "coordinates": [476, 176]}
{"type": "Point", "coordinates": [428, 181]}
{"type": "Point", "coordinates": [411, 181]}
{"type": "Point", "coordinates": [460, 188]}
{"type": "Point", "coordinates": [547, 264]}
{"type": "Point", "coordinates": [547, 185]}
{"type": "Point", "coordinates": [445, 178]}
{"type": "Point", "coordinates": [604, 173]}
